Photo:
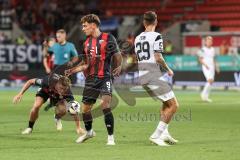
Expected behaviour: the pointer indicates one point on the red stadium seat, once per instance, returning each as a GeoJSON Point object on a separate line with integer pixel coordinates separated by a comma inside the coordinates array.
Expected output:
{"type": "Point", "coordinates": [222, 13]}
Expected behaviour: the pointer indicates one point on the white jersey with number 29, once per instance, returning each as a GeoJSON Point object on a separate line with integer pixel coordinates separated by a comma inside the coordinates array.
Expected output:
{"type": "Point", "coordinates": [146, 45]}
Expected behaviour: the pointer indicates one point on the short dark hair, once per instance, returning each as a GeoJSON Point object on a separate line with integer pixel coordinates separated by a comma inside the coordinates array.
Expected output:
{"type": "Point", "coordinates": [149, 17]}
{"type": "Point", "coordinates": [61, 31]}
{"type": "Point", "coordinates": [91, 18]}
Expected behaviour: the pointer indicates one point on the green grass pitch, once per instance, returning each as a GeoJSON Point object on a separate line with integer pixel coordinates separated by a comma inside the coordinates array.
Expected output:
{"type": "Point", "coordinates": [206, 131]}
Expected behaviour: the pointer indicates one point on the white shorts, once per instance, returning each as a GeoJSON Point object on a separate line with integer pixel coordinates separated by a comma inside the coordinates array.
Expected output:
{"type": "Point", "coordinates": [208, 73]}
{"type": "Point", "coordinates": [158, 93]}
{"type": "Point", "coordinates": [167, 96]}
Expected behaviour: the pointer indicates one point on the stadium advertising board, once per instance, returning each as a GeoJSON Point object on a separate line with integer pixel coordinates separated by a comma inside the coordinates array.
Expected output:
{"type": "Point", "coordinates": [20, 61]}
{"type": "Point", "coordinates": [188, 70]}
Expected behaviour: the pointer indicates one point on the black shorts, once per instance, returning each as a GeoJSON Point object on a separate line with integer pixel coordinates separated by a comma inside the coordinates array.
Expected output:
{"type": "Point", "coordinates": [43, 94]}
{"type": "Point", "coordinates": [95, 87]}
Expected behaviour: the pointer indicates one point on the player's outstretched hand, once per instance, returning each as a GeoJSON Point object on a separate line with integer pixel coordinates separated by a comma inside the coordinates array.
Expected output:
{"type": "Point", "coordinates": [69, 64]}
{"type": "Point", "coordinates": [67, 72]}
{"type": "Point", "coordinates": [117, 71]}
{"type": "Point", "coordinates": [17, 98]}
{"type": "Point", "coordinates": [170, 72]}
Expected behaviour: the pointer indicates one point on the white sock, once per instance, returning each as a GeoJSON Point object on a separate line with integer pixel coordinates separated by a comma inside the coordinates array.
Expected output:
{"type": "Point", "coordinates": [165, 132]}
{"type": "Point", "coordinates": [90, 131]}
{"type": "Point", "coordinates": [206, 90]}
{"type": "Point", "coordinates": [159, 130]}
{"type": "Point", "coordinates": [110, 137]}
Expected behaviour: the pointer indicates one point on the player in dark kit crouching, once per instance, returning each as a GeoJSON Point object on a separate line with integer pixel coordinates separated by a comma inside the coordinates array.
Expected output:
{"type": "Point", "coordinates": [99, 49]}
{"type": "Point", "coordinates": [55, 87]}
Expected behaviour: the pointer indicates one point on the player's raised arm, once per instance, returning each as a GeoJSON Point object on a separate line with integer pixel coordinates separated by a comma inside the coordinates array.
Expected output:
{"type": "Point", "coordinates": [158, 50]}
{"type": "Point", "coordinates": [25, 87]}
{"type": "Point", "coordinates": [83, 65]}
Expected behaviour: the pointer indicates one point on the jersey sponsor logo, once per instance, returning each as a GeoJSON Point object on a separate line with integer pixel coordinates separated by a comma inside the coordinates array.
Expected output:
{"type": "Point", "coordinates": [65, 55]}
{"type": "Point", "coordinates": [93, 50]}
{"type": "Point", "coordinates": [101, 41]}
{"type": "Point", "coordinates": [142, 37]}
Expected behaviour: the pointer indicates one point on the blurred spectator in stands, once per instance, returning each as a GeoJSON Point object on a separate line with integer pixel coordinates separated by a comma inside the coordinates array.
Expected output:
{"type": "Point", "coordinates": [93, 6]}
{"type": "Point", "coordinates": [48, 59]}
{"type": "Point", "coordinates": [49, 15]}
{"type": "Point", "coordinates": [224, 48]}
{"type": "Point", "coordinates": [7, 40]}
{"type": "Point", "coordinates": [130, 39]}
{"type": "Point", "coordinates": [129, 59]}
{"type": "Point", "coordinates": [168, 47]}
{"type": "Point", "coordinates": [37, 37]}
{"type": "Point", "coordinates": [2, 37]}
{"type": "Point", "coordinates": [109, 23]}
{"type": "Point", "coordinates": [7, 15]}
{"type": "Point", "coordinates": [129, 45]}
{"type": "Point", "coordinates": [20, 40]}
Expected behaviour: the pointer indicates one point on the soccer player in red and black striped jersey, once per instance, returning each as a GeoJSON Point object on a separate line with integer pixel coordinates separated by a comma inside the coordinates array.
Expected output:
{"type": "Point", "coordinates": [99, 50]}
{"type": "Point", "coordinates": [54, 87]}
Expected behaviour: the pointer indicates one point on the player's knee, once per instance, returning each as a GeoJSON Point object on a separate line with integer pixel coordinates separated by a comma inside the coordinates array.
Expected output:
{"type": "Point", "coordinates": [86, 109]}
{"type": "Point", "coordinates": [173, 105]}
{"type": "Point", "coordinates": [105, 104]}
{"type": "Point", "coordinates": [61, 111]}
{"type": "Point", "coordinates": [210, 81]}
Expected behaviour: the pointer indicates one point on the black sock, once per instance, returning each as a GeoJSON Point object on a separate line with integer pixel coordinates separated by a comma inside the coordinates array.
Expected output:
{"type": "Point", "coordinates": [109, 120]}
{"type": "Point", "coordinates": [87, 119]}
{"type": "Point", "coordinates": [30, 124]}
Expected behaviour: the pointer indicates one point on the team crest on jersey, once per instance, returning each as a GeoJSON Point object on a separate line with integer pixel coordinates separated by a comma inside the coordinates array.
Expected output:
{"type": "Point", "coordinates": [101, 41]}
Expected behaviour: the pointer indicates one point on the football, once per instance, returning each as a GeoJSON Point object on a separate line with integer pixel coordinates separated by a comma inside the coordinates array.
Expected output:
{"type": "Point", "coordinates": [73, 107]}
